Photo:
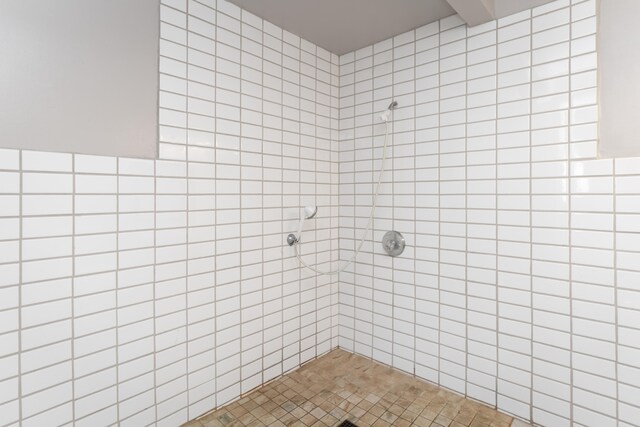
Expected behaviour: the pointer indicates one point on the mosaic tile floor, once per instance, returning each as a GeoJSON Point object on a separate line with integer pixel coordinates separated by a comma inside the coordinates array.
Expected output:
{"type": "Point", "coordinates": [342, 386]}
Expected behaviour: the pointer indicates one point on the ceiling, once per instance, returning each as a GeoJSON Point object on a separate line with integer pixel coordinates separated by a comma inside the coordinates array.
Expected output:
{"type": "Point", "coordinates": [342, 26]}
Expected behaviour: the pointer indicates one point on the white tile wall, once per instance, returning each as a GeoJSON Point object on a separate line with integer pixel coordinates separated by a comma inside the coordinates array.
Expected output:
{"type": "Point", "coordinates": [148, 292]}
{"type": "Point", "coordinates": [518, 286]}
{"type": "Point", "coordinates": [138, 292]}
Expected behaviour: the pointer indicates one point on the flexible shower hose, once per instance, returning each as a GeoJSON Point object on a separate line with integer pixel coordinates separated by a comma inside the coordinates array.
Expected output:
{"type": "Point", "coordinates": [366, 230]}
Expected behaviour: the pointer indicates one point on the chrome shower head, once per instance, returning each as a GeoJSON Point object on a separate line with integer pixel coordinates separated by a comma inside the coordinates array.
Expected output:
{"type": "Point", "coordinates": [310, 211]}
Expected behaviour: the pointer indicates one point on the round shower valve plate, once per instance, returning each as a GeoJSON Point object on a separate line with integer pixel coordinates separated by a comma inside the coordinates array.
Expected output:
{"type": "Point", "coordinates": [393, 243]}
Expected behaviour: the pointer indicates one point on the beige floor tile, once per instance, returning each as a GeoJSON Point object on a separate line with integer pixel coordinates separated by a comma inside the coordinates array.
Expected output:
{"type": "Point", "coordinates": [342, 386]}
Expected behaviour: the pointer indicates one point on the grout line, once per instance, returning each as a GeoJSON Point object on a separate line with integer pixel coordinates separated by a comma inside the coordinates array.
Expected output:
{"type": "Point", "coordinates": [466, 220]}
{"type": "Point", "coordinates": [415, 213]}
{"type": "Point", "coordinates": [300, 269]}
{"type": "Point", "coordinates": [570, 260]}
{"type": "Point", "coordinates": [262, 355]}
{"type": "Point", "coordinates": [73, 283]}
{"type": "Point", "coordinates": [155, 284]}
{"type": "Point", "coordinates": [497, 241]}
{"type": "Point", "coordinates": [391, 181]}
{"type": "Point", "coordinates": [20, 296]}
{"type": "Point", "coordinates": [439, 177]}
{"type": "Point", "coordinates": [187, 239]}
{"type": "Point", "coordinates": [316, 276]}
{"type": "Point", "coordinates": [115, 290]}
{"type": "Point", "coordinates": [615, 293]}
{"type": "Point", "coordinates": [531, 309]}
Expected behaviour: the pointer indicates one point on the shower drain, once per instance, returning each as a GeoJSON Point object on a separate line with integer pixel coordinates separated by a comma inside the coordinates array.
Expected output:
{"type": "Point", "coordinates": [347, 424]}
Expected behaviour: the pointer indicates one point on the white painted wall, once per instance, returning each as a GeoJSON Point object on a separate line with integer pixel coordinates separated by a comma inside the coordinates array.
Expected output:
{"type": "Point", "coordinates": [619, 67]}
{"type": "Point", "coordinates": [80, 76]}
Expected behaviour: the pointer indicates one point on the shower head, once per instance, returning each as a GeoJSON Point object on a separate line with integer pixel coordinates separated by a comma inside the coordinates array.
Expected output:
{"type": "Point", "coordinates": [387, 113]}
{"type": "Point", "coordinates": [310, 211]}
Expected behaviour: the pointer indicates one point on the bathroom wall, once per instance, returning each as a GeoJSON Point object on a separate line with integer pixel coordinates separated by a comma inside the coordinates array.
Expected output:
{"type": "Point", "coordinates": [102, 104]}
{"type": "Point", "coordinates": [138, 292]}
{"type": "Point", "coordinates": [519, 283]}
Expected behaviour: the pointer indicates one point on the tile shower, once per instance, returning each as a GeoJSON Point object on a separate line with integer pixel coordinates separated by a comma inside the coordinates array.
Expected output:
{"type": "Point", "coordinates": [519, 287]}
{"type": "Point", "coordinates": [149, 292]}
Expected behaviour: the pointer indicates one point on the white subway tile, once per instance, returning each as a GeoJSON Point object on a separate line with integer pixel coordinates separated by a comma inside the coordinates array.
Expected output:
{"type": "Point", "coordinates": [46, 161]}
{"type": "Point", "coordinates": [9, 159]}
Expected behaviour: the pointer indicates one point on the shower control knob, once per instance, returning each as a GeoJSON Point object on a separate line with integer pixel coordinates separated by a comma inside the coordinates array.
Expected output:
{"type": "Point", "coordinates": [393, 243]}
